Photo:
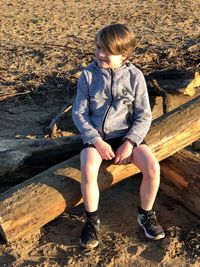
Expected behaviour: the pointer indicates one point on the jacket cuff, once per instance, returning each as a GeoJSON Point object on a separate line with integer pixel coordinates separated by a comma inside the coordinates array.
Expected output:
{"type": "Point", "coordinates": [134, 139]}
{"type": "Point", "coordinates": [92, 141]}
{"type": "Point", "coordinates": [130, 141]}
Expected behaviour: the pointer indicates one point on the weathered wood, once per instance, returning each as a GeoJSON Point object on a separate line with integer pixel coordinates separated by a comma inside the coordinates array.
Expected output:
{"type": "Point", "coordinates": [20, 158]}
{"type": "Point", "coordinates": [58, 126]}
{"type": "Point", "coordinates": [173, 82]}
{"type": "Point", "coordinates": [181, 179]}
{"type": "Point", "coordinates": [169, 134]}
{"type": "Point", "coordinates": [161, 105]}
{"type": "Point", "coordinates": [35, 202]}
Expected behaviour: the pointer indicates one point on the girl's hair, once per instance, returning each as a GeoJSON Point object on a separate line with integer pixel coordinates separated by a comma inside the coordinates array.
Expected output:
{"type": "Point", "coordinates": [116, 39]}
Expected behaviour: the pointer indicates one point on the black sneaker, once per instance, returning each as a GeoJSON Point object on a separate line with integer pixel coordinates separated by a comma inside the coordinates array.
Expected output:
{"type": "Point", "coordinates": [89, 234]}
{"type": "Point", "coordinates": [150, 225]}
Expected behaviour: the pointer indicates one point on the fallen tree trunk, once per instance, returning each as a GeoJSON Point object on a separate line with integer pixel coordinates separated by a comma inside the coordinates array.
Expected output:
{"type": "Point", "coordinates": [173, 82]}
{"type": "Point", "coordinates": [181, 179]}
{"type": "Point", "coordinates": [169, 134]}
{"type": "Point", "coordinates": [163, 104]}
{"type": "Point", "coordinates": [20, 159]}
{"type": "Point", "coordinates": [37, 201]}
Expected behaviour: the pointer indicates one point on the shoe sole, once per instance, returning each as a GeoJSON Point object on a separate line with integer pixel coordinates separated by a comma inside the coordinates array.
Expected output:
{"type": "Point", "coordinates": [89, 246]}
{"type": "Point", "coordinates": [161, 236]}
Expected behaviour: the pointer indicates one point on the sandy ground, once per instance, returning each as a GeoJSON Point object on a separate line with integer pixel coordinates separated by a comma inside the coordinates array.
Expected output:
{"type": "Point", "coordinates": [44, 45]}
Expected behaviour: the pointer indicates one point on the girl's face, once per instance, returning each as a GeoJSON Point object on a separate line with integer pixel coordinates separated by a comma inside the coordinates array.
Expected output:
{"type": "Point", "coordinates": [106, 60]}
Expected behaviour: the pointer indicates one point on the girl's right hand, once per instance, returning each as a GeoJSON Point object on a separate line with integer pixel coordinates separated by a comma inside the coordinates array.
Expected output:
{"type": "Point", "coordinates": [104, 149]}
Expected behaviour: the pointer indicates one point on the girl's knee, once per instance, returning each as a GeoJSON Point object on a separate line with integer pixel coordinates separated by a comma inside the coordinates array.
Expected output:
{"type": "Point", "coordinates": [90, 162]}
{"type": "Point", "coordinates": [151, 170]}
{"type": "Point", "coordinates": [89, 173]}
{"type": "Point", "coordinates": [154, 169]}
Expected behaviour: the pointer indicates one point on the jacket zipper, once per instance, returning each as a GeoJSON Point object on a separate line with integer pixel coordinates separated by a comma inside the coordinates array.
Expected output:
{"type": "Point", "coordinates": [111, 92]}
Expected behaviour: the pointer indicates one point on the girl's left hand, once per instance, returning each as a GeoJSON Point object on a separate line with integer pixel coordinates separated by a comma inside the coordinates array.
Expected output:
{"type": "Point", "coordinates": [124, 153]}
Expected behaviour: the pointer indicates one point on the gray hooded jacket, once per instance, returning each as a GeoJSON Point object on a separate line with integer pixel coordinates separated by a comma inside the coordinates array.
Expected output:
{"type": "Point", "coordinates": [112, 103]}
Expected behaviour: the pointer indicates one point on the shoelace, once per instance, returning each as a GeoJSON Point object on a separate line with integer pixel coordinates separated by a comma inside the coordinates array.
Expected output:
{"type": "Point", "coordinates": [91, 228]}
{"type": "Point", "coordinates": [152, 220]}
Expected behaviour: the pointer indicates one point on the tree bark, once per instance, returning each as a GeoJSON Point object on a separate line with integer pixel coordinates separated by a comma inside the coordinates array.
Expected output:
{"type": "Point", "coordinates": [181, 179]}
{"type": "Point", "coordinates": [37, 201]}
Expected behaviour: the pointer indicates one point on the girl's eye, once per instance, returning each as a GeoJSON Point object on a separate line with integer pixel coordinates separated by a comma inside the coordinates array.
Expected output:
{"type": "Point", "coordinates": [98, 46]}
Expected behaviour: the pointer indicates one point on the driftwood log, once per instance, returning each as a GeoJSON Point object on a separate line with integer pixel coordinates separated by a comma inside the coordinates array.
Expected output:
{"type": "Point", "coordinates": [161, 105]}
{"type": "Point", "coordinates": [22, 159]}
{"type": "Point", "coordinates": [37, 201]}
{"type": "Point", "coordinates": [181, 179]}
{"type": "Point", "coordinates": [173, 82]}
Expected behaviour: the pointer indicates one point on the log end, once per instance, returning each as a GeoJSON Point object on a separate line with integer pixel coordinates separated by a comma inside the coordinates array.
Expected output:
{"type": "Point", "coordinates": [191, 88]}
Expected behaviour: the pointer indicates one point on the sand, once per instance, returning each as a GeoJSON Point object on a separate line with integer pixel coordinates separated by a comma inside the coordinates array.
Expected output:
{"type": "Point", "coordinates": [44, 45]}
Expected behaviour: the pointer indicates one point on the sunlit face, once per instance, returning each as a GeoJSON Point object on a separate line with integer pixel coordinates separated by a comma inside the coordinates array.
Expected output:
{"type": "Point", "coordinates": [106, 60]}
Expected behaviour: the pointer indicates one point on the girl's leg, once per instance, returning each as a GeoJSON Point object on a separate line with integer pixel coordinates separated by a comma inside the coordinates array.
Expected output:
{"type": "Point", "coordinates": [90, 163]}
{"type": "Point", "coordinates": [145, 160]}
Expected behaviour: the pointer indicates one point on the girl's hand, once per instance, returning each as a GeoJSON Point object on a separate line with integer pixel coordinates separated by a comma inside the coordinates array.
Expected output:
{"type": "Point", "coordinates": [104, 149]}
{"type": "Point", "coordinates": [123, 154]}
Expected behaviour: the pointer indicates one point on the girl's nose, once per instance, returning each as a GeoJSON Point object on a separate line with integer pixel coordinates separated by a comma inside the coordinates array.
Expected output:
{"type": "Point", "coordinates": [101, 53]}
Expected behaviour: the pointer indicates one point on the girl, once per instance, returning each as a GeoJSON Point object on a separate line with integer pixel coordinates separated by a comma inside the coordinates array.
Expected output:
{"type": "Point", "coordinates": [112, 112]}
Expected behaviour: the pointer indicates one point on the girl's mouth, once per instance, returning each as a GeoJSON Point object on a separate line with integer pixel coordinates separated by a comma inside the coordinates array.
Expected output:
{"type": "Point", "coordinates": [102, 60]}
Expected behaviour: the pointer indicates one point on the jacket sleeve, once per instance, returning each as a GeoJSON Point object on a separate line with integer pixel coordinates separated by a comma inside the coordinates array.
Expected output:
{"type": "Point", "coordinates": [141, 112]}
{"type": "Point", "coordinates": [80, 112]}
